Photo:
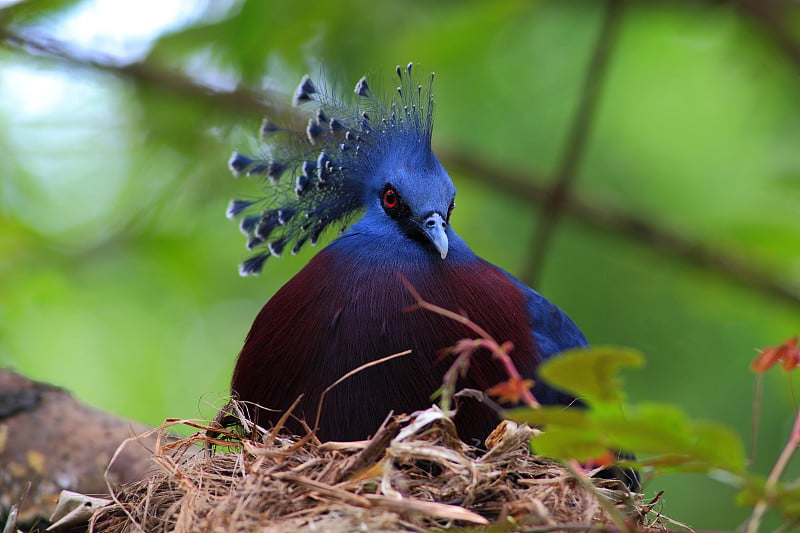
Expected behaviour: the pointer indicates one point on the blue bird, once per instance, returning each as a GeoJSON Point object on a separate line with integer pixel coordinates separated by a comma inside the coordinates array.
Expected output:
{"type": "Point", "coordinates": [365, 164]}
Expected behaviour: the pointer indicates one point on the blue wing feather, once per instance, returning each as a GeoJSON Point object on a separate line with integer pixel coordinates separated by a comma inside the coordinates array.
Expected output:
{"type": "Point", "coordinates": [553, 329]}
{"type": "Point", "coordinates": [554, 332]}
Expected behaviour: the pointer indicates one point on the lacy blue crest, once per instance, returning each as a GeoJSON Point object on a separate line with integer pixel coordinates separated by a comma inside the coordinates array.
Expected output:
{"type": "Point", "coordinates": [321, 178]}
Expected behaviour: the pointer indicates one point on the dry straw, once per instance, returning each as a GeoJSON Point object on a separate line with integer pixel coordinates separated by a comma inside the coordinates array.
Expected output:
{"type": "Point", "coordinates": [413, 475]}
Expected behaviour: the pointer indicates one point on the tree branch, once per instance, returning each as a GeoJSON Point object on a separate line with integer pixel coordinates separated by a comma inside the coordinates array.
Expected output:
{"type": "Point", "coordinates": [513, 184]}
{"type": "Point", "coordinates": [576, 143]}
{"type": "Point", "coordinates": [239, 100]}
{"type": "Point", "coordinates": [674, 245]}
{"type": "Point", "coordinates": [767, 14]}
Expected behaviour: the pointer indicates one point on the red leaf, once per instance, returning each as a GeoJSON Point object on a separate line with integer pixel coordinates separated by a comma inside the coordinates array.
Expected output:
{"type": "Point", "coordinates": [788, 353]}
{"type": "Point", "coordinates": [765, 360]}
{"type": "Point", "coordinates": [791, 360]}
{"type": "Point", "coordinates": [511, 391]}
{"type": "Point", "coordinates": [607, 459]}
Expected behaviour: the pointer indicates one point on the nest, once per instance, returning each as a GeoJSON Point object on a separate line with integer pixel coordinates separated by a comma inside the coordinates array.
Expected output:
{"type": "Point", "coordinates": [413, 475]}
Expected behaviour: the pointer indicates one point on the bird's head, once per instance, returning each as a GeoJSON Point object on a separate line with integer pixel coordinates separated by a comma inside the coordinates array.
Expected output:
{"type": "Point", "coordinates": [365, 155]}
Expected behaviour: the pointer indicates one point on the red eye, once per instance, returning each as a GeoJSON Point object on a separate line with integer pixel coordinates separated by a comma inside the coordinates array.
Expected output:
{"type": "Point", "coordinates": [390, 198]}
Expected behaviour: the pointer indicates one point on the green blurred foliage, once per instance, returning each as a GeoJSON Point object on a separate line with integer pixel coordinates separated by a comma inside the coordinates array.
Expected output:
{"type": "Point", "coordinates": [661, 435]}
{"type": "Point", "coordinates": [118, 271]}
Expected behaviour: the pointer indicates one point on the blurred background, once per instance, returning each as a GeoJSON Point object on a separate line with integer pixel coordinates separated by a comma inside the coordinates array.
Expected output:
{"type": "Point", "coordinates": [639, 163]}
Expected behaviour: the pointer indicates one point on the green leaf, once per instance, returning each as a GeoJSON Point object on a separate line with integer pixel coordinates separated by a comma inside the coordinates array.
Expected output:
{"type": "Point", "coordinates": [719, 445]}
{"type": "Point", "coordinates": [648, 428]}
{"type": "Point", "coordinates": [667, 431]}
{"type": "Point", "coordinates": [591, 373]}
{"type": "Point", "coordinates": [785, 498]}
{"type": "Point", "coordinates": [546, 415]}
{"type": "Point", "coordinates": [33, 10]}
{"type": "Point", "coordinates": [569, 443]}
{"type": "Point", "coordinates": [752, 491]}
{"type": "Point", "coordinates": [789, 502]}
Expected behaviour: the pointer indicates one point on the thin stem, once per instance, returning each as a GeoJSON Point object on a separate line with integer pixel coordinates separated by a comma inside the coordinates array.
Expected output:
{"type": "Point", "coordinates": [757, 395]}
{"type": "Point", "coordinates": [499, 351]}
{"type": "Point", "coordinates": [775, 476]}
{"type": "Point", "coordinates": [351, 374]}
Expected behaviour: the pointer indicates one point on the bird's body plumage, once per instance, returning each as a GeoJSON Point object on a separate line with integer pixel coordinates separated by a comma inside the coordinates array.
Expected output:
{"type": "Point", "coordinates": [349, 305]}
